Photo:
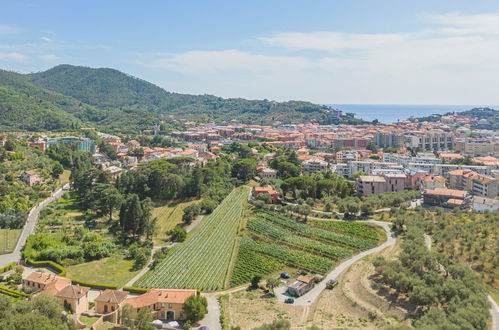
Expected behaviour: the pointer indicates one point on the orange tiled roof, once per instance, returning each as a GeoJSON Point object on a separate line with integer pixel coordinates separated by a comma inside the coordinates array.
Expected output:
{"type": "Point", "coordinates": [154, 296]}
{"type": "Point", "coordinates": [112, 296]}
{"type": "Point", "coordinates": [73, 292]}
{"type": "Point", "coordinates": [447, 192]}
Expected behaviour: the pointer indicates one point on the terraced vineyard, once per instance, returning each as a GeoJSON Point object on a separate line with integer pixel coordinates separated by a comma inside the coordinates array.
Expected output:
{"type": "Point", "coordinates": [313, 232]}
{"type": "Point", "coordinates": [274, 238]}
{"type": "Point", "coordinates": [294, 257]}
{"type": "Point", "coordinates": [250, 263]}
{"type": "Point", "coordinates": [203, 261]}
{"type": "Point", "coordinates": [272, 231]}
{"type": "Point", "coordinates": [353, 228]}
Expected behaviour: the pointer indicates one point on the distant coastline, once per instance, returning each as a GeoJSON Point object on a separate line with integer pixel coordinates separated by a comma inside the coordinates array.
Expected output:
{"type": "Point", "coordinates": [389, 113]}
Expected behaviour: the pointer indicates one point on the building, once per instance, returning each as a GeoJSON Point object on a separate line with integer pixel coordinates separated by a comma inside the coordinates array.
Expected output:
{"type": "Point", "coordinates": [432, 140]}
{"type": "Point", "coordinates": [84, 144]}
{"type": "Point", "coordinates": [39, 281]}
{"type": "Point", "coordinates": [166, 304]}
{"type": "Point", "coordinates": [478, 147]}
{"type": "Point", "coordinates": [301, 285]}
{"type": "Point", "coordinates": [266, 190]}
{"type": "Point", "coordinates": [267, 173]}
{"type": "Point", "coordinates": [482, 204]}
{"type": "Point", "coordinates": [431, 181]}
{"type": "Point", "coordinates": [370, 185]}
{"type": "Point", "coordinates": [478, 185]}
{"type": "Point", "coordinates": [30, 178]}
{"type": "Point", "coordinates": [394, 182]}
{"type": "Point", "coordinates": [313, 165]}
{"type": "Point", "coordinates": [441, 196]}
{"type": "Point", "coordinates": [109, 303]}
{"type": "Point", "coordinates": [388, 140]}
{"type": "Point", "coordinates": [74, 297]}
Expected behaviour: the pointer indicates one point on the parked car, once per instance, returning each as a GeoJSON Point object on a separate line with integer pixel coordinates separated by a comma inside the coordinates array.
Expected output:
{"type": "Point", "coordinates": [285, 275]}
{"type": "Point", "coordinates": [203, 328]}
{"type": "Point", "coordinates": [331, 284]}
{"type": "Point", "coordinates": [289, 301]}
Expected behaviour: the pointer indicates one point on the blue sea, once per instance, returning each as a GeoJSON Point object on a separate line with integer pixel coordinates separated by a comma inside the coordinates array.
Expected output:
{"type": "Point", "coordinates": [391, 112]}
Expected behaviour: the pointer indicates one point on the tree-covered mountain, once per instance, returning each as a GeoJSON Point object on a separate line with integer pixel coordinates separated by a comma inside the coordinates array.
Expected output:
{"type": "Point", "coordinates": [68, 95]}
{"type": "Point", "coordinates": [487, 118]}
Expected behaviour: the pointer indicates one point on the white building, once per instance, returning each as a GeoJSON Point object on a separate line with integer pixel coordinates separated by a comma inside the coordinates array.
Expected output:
{"type": "Point", "coordinates": [482, 204]}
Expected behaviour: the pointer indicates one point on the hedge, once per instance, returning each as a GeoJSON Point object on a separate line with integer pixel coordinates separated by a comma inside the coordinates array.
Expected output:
{"type": "Point", "coordinates": [133, 289]}
{"type": "Point", "coordinates": [60, 270]}
{"type": "Point", "coordinates": [7, 267]}
{"type": "Point", "coordinates": [13, 293]}
{"type": "Point", "coordinates": [92, 285]}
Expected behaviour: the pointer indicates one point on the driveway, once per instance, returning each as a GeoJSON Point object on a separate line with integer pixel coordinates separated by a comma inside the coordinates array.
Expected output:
{"type": "Point", "coordinates": [29, 226]}
{"type": "Point", "coordinates": [310, 297]}
{"type": "Point", "coordinates": [212, 318]}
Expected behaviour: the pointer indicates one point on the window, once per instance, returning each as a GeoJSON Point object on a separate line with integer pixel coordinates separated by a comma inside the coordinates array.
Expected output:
{"type": "Point", "coordinates": [162, 305]}
{"type": "Point", "coordinates": [169, 305]}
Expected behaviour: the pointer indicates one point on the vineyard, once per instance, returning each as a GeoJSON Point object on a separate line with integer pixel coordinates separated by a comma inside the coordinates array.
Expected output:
{"type": "Point", "coordinates": [203, 261]}
{"type": "Point", "coordinates": [352, 228]}
{"type": "Point", "coordinates": [291, 256]}
{"type": "Point", "coordinates": [250, 263]}
{"type": "Point", "coordinates": [275, 240]}
{"type": "Point", "coordinates": [309, 231]}
{"type": "Point", "coordinates": [272, 231]}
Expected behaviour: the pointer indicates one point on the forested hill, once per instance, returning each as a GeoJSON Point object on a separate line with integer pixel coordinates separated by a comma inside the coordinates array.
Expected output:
{"type": "Point", "coordinates": [69, 96]}
{"type": "Point", "coordinates": [109, 88]}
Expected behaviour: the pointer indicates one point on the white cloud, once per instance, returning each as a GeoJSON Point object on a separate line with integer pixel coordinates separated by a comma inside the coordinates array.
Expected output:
{"type": "Point", "coordinates": [13, 56]}
{"type": "Point", "coordinates": [4, 29]}
{"type": "Point", "coordinates": [49, 57]}
{"type": "Point", "coordinates": [47, 39]}
{"type": "Point", "coordinates": [452, 59]}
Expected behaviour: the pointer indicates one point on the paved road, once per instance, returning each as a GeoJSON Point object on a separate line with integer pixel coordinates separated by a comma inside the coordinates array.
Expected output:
{"type": "Point", "coordinates": [494, 309]}
{"type": "Point", "coordinates": [30, 226]}
{"type": "Point", "coordinates": [310, 297]}
{"type": "Point", "coordinates": [212, 318]}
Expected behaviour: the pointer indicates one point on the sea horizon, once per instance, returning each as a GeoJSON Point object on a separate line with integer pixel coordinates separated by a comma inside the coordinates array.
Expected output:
{"type": "Point", "coordinates": [390, 113]}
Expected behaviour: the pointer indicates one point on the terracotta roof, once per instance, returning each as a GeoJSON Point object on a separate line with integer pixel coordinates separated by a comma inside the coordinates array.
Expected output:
{"type": "Point", "coordinates": [268, 190]}
{"type": "Point", "coordinates": [73, 292]}
{"type": "Point", "coordinates": [52, 283]}
{"type": "Point", "coordinates": [447, 192]}
{"type": "Point", "coordinates": [455, 201]}
{"type": "Point", "coordinates": [112, 296]}
{"type": "Point", "coordinates": [154, 296]}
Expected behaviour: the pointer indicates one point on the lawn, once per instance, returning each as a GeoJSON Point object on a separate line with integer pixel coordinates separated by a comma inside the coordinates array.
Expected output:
{"type": "Point", "coordinates": [168, 217]}
{"type": "Point", "coordinates": [8, 240]}
{"type": "Point", "coordinates": [88, 320]}
{"type": "Point", "coordinates": [115, 270]}
{"type": "Point", "coordinates": [64, 178]}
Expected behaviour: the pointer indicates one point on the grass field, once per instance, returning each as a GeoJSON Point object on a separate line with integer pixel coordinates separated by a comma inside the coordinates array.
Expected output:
{"type": "Point", "coordinates": [88, 320]}
{"type": "Point", "coordinates": [168, 217]}
{"type": "Point", "coordinates": [114, 270]}
{"type": "Point", "coordinates": [8, 240]}
{"type": "Point", "coordinates": [203, 261]}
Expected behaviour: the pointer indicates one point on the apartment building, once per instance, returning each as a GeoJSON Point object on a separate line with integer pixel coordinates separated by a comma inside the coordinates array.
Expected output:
{"type": "Point", "coordinates": [478, 147]}
{"type": "Point", "coordinates": [379, 184]}
{"type": "Point", "coordinates": [313, 165]}
{"type": "Point", "coordinates": [447, 197]}
{"type": "Point", "coordinates": [476, 184]}
{"type": "Point", "coordinates": [389, 140]}
{"type": "Point", "coordinates": [431, 140]}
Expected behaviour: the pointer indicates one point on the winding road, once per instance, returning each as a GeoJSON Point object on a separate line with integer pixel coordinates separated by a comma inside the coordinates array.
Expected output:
{"type": "Point", "coordinates": [310, 297]}
{"type": "Point", "coordinates": [30, 225]}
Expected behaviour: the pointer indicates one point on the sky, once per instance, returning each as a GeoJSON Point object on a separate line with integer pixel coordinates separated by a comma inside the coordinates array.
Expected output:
{"type": "Point", "coordinates": [328, 52]}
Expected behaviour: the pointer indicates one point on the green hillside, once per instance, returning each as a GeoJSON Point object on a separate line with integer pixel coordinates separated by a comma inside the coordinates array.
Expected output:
{"type": "Point", "coordinates": [22, 111]}
{"type": "Point", "coordinates": [67, 96]}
